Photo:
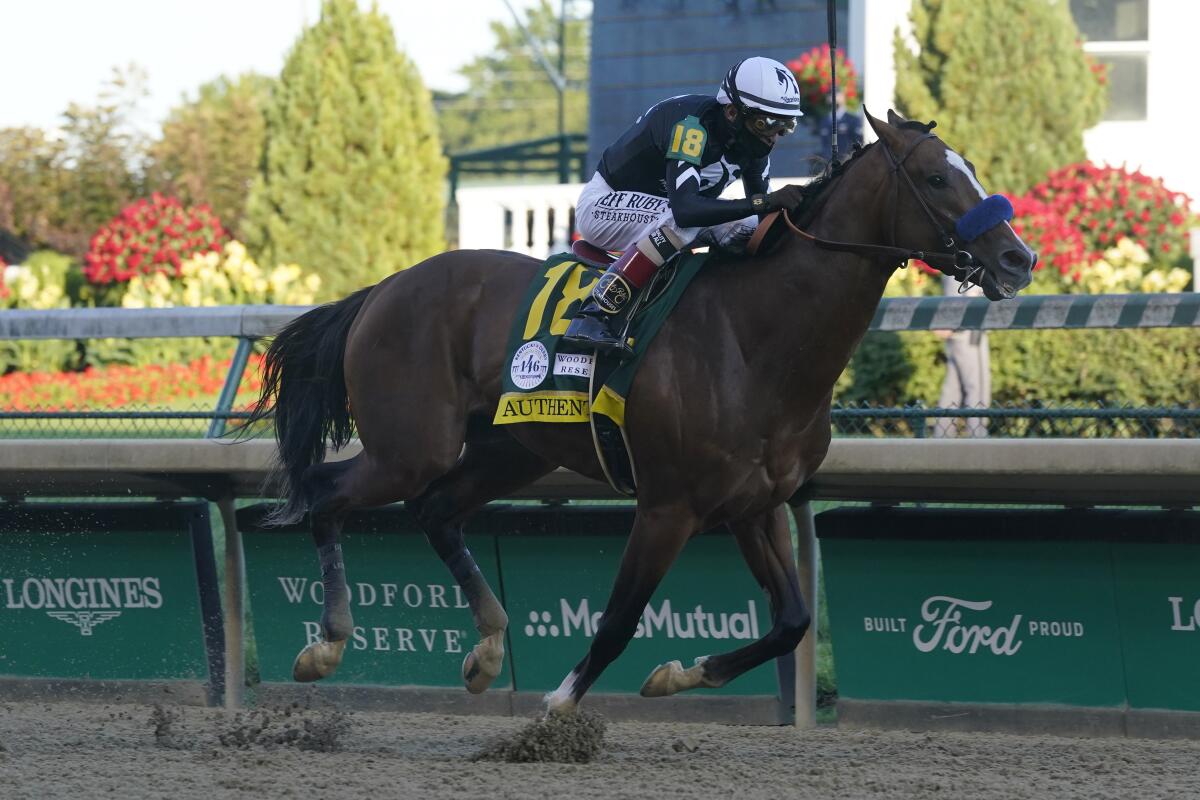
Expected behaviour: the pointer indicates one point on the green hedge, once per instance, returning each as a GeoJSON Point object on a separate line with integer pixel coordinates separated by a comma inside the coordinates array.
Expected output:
{"type": "Point", "coordinates": [1054, 368]}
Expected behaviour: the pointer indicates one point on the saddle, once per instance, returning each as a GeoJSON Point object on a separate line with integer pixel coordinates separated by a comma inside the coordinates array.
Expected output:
{"type": "Point", "coordinates": [591, 255]}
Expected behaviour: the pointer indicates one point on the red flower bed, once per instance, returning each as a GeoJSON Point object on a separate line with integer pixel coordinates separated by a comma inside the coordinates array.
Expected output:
{"type": "Point", "coordinates": [149, 236]}
{"type": "Point", "coordinates": [114, 387]}
{"type": "Point", "coordinates": [1105, 204]}
{"type": "Point", "coordinates": [1059, 244]}
{"type": "Point", "coordinates": [1082, 210]}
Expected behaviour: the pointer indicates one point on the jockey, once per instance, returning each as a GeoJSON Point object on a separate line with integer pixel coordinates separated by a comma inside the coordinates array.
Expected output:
{"type": "Point", "coordinates": [657, 188]}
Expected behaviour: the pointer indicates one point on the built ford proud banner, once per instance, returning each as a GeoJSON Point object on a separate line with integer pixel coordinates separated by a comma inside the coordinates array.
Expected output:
{"type": "Point", "coordinates": [1095, 610]}
{"type": "Point", "coordinates": [108, 592]}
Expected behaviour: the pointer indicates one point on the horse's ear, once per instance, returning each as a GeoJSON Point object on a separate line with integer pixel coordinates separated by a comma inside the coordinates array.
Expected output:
{"type": "Point", "coordinates": [875, 124]}
{"type": "Point", "coordinates": [894, 118]}
{"type": "Point", "coordinates": [884, 130]}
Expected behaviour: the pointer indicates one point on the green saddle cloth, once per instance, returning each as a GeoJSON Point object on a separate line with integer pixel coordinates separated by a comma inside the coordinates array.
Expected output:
{"type": "Point", "coordinates": [545, 384]}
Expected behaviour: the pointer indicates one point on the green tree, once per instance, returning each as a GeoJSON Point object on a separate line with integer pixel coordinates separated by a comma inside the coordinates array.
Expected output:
{"type": "Point", "coordinates": [32, 178]}
{"type": "Point", "coordinates": [353, 181]}
{"type": "Point", "coordinates": [57, 190]}
{"type": "Point", "coordinates": [1007, 82]}
{"type": "Point", "coordinates": [104, 155]}
{"type": "Point", "coordinates": [509, 97]}
{"type": "Point", "coordinates": [211, 147]}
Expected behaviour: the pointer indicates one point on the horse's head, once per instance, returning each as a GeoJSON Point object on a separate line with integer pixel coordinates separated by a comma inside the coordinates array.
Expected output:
{"type": "Point", "coordinates": [941, 209]}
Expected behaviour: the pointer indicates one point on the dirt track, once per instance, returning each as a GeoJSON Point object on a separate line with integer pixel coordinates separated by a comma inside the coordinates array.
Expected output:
{"type": "Point", "coordinates": [72, 750]}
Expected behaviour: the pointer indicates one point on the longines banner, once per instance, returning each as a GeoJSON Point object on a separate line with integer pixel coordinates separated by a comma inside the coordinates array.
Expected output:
{"type": "Point", "coordinates": [106, 591]}
{"type": "Point", "coordinates": [1092, 609]}
{"type": "Point", "coordinates": [1158, 606]}
{"type": "Point", "coordinates": [555, 569]}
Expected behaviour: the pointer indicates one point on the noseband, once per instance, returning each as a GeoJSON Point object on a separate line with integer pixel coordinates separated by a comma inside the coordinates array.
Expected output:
{"type": "Point", "coordinates": [953, 258]}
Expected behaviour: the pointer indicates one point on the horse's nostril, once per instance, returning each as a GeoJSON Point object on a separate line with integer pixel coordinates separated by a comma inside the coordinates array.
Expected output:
{"type": "Point", "coordinates": [1017, 259]}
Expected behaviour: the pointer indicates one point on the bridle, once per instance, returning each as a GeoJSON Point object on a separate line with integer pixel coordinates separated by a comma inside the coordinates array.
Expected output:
{"type": "Point", "coordinates": [953, 258]}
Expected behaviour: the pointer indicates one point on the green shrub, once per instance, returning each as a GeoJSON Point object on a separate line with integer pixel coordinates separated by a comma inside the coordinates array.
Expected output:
{"type": "Point", "coordinates": [41, 283]}
{"type": "Point", "coordinates": [1053, 369]}
{"type": "Point", "coordinates": [1007, 81]}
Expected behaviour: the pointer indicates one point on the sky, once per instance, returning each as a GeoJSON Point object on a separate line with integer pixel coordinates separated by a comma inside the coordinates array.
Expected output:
{"type": "Point", "coordinates": [55, 52]}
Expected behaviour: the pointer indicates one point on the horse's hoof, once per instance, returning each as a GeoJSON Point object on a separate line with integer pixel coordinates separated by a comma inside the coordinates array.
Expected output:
{"type": "Point", "coordinates": [670, 678]}
{"type": "Point", "coordinates": [560, 704]}
{"type": "Point", "coordinates": [483, 663]}
{"type": "Point", "coordinates": [318, 660]}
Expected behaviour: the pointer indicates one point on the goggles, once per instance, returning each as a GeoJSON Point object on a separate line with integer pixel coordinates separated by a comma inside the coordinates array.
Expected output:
{"type": "Point", "coordinates": [765, 125]}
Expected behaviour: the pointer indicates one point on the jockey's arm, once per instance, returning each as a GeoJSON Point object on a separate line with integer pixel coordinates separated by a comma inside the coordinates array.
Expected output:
{"type": "Point", "coordinates": [754, 177]}
{"type": "Point", "coordinates": [690, 208]}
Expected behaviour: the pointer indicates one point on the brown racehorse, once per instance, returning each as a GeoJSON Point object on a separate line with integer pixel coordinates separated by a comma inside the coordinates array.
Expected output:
{"type": "Point", "coordinates": [728, 417]}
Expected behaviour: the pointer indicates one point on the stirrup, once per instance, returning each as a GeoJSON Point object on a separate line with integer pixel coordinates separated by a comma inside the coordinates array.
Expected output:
{"type": "Point", "coordinates": [593, 328]}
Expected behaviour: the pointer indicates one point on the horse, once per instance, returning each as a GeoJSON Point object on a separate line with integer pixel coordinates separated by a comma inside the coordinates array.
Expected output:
{"type": "Point", "coordinates": [728, 417]}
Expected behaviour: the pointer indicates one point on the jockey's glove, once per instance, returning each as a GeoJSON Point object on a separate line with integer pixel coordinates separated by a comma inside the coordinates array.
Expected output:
{"type": "Point", "coordinates": [788, 197]}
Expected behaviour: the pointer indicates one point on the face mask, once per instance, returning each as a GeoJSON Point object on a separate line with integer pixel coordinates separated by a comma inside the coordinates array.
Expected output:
{"type": "Point", "coordinates": [750, 144]}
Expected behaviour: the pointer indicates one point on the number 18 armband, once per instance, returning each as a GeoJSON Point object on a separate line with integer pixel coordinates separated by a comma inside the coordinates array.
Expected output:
{"type": "Point", "coordinates": [687, 140]}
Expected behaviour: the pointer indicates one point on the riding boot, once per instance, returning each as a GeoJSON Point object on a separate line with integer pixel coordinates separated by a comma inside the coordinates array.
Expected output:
{"type": "Point", "coordinates": [599, 324]}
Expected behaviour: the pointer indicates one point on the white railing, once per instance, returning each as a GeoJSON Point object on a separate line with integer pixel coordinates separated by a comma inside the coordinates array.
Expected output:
{"type": "Point", "coordinates": [535, 219]}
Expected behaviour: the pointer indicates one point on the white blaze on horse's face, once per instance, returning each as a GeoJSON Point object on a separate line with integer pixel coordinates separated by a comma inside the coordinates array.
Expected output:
{"type": "Point", "coordinates": [957, 161]}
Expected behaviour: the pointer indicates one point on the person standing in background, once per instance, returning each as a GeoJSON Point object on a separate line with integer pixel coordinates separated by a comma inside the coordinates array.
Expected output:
{"type": "Point", "coordinates": [968, 382]}
{"type": "Point", "coordinates": [849, 129]}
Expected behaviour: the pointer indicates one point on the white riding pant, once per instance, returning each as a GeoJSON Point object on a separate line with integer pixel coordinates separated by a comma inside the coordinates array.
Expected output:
{"type": "Point", "coordinates": [613, 220]}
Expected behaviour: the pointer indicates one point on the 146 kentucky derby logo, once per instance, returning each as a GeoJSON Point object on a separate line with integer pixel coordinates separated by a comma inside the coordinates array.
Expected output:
{"type": "Point", "coordinates": [530, 364]}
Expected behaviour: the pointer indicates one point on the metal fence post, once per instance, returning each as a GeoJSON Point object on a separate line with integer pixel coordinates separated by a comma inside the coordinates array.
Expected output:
{"type": "Point", "coordinates": [1194, 247]}
{"type": "Point", "coordinates": [235, 580]}
{"type": "Point", "coordinates": [233, 379]}
{"type": "Point", "coordinates": [235, 562]}
{"type": "Point", "coordinates": [806, 653]}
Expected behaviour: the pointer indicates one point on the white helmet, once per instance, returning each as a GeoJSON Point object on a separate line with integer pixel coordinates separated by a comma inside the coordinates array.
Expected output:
{"type": "Point", "coordinates": [763, 84]}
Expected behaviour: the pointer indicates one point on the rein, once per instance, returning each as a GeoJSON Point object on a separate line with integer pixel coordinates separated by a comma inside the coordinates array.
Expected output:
{"type": "Point", "coordinates": [953, 258]}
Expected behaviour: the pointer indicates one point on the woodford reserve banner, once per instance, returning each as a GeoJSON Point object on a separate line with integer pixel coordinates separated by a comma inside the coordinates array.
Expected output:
{"type": "Point", "coordinates": [1097, 609]}
{"type": "Point", "coordinates": [107, 592]}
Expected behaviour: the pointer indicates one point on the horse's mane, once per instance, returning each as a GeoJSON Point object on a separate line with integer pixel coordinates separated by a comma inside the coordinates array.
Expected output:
{"type": "Point", "coordinates": [812, 191]}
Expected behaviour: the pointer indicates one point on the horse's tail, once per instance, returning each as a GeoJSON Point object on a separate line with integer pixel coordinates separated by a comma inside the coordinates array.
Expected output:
{"type": "Point", "coordinates": [303, 374]}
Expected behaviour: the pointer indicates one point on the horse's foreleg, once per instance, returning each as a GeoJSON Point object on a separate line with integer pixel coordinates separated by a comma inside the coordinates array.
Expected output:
{"type": "Point", "coordinates": [487, 470]}
{"type": "Point", "coordinates": [655, 542]}
{"type": "Point", "coordinates": [766, 544]}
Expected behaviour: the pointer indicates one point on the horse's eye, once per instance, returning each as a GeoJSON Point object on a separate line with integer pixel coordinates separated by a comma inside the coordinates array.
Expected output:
{"type": "Point", "coordinates": [937, 181]}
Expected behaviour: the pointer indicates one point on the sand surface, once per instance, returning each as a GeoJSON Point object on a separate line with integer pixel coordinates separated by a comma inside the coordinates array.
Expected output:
{"type": "Point", "coordinates": [76, 750]}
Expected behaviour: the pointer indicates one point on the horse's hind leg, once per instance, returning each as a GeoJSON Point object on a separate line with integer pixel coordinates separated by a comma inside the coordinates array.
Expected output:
{"type": "Point", "coordinates": [765, 542]}
{"type": "Point", "coordinates": [333, 489]}
{"type": "Point", "coordinates": [654, 544]}
{"type": "Point", "coordinates": [489, 468]}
